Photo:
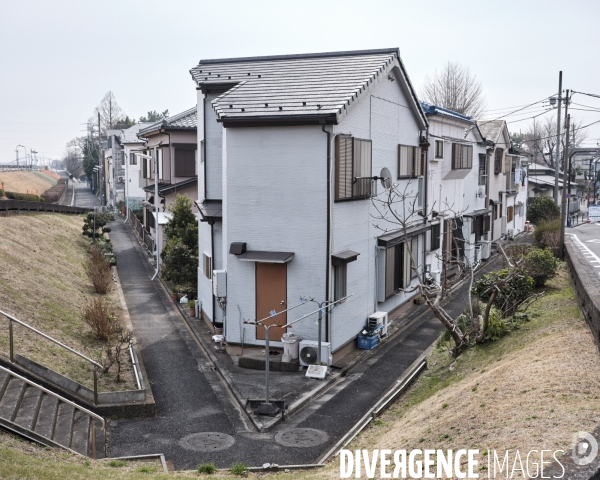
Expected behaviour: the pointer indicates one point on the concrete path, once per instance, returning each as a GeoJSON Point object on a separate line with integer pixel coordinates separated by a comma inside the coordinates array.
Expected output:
{"type": "Point", "coordinates": [192, 399]}
{"type": "Point", "coordinates": [84, 196]}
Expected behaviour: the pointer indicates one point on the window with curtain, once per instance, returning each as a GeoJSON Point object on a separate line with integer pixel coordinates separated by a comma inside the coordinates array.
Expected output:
{"type": "Point", "coordinates": [132, 159]}
{"type": "Point", "coordinates": [439, 149]}
{"type": "Point", "coordinates": [410, 164]}
{"type": "Point", "coordinates": [498, 156]}
{"type": "Point", "coordinates": [462, 156]}
{"type": "Point", "coordinates": [482, 169]}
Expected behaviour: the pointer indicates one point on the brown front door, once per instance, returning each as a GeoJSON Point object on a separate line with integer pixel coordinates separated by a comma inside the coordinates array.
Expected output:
{"type": "Point", "coordinates": [271, 294]}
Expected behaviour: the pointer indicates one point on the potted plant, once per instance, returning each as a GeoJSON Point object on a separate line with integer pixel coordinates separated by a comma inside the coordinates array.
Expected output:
{"type": "Point", "coordinates": [419, 300]}
{"type": "Point", "coordinates": [174, 293]}
{"type": "Point", "coordinates": [192, 306]}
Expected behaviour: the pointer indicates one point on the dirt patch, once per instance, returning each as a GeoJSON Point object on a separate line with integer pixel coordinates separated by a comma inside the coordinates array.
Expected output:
{"type": "Point", "coordinates": [43, 283]}
{"type": "Point", "coordinates": [531, 390]}
{"type": "Point", "coordinates": [26, 182]}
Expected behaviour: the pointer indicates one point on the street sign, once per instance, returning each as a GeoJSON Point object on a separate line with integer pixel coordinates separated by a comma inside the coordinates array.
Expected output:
{"type": "Point", "coordinates": [594, 213]}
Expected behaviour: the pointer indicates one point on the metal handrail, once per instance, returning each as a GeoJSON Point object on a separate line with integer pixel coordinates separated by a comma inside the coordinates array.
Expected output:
{"type": "Point", "coordinates": [64, 400]}
{"type": "Point", "coordinates": [48, 337]}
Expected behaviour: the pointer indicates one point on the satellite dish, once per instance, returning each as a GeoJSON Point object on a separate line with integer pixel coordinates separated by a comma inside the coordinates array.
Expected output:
{"type": "Point", "coordinates": [386, 178]}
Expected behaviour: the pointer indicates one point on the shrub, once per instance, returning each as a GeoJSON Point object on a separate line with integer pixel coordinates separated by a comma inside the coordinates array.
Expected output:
{"type": "Point", "coordinates": [2, 193]}
{"type": "Point", "coordinates": [512, 293]}
{"type": "Point", "coordinates": [55, 193]}
{"type": "Point", "coordinates": [541, 265]}
{"type": "Point", "coordinates": [547, 235]}
{"type": "Point", "coordinates": [517, 251]}
{"type": "Point", "coordinates": [101, 219]}
{"type": "Point", "coordinates": [542, 209]}
{"type": "Point", "coordinates": [116, 463]}
{"type": "Point", "coordinates": [98, 270]}
{"type": "Point", "coordinates": [97, 315]}
{"type": "Point", "coordinates": [208, 468]}
{"type": "Point", "coordinates": [180, 265]}
{"type": "Point", "coordinates": [238, 469]}
{"type": "Point", "coordinates": [27, 197]}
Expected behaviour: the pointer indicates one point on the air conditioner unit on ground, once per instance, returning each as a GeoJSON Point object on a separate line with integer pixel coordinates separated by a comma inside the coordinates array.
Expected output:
{"type": "Point", "coordinates": [219, 283]}
{"type": "Point", "coordinates": [308, 352]}
{"type": "Point", "coordinates": [485, 249]}
{"type": "Point", "coordinates": [379, 318]}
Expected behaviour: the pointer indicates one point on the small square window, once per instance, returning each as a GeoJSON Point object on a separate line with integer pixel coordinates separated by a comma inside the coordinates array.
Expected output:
{"type": "Point", "coordinates": [207, 266]}
{"type": "Point", "coordinates": [340, 281]}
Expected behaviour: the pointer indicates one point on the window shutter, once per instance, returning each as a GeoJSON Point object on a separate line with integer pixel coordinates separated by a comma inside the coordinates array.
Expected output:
{"type": "Point", "coordinates": [185, 162]}
{"type": "Point", "coordinates": [159, 154]}
{"type": "Point", "coordinates": [403, 161]}
{"type": "Point", "coordinates": [474, 225]}
{"type": "Point", "coordinates": [343, 166]}
{"type": "Point", "coordinates": [469, 156]}
{"type": "Point", "coordinates": [498, 160]}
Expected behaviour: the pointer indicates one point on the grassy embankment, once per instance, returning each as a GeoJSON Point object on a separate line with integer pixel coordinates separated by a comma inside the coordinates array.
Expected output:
{"type": "Point", "coordinates": [531, 389]}
{"type": "Point", "coordinates": [21, 181]}
{"type": "Point", "coordinates": [43, 283]}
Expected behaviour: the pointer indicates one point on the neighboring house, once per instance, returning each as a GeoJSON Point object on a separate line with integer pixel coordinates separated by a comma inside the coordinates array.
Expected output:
{"type": "Point", "coordinates": [507, 180]}
{"type": "Point", "coordinates": [282, 141]}
{"type": "Point", "coordinates": [134, 193]}
{"type": "Point", "coordinates": [114, 168]}
{"type": "Point", "coordinates": [541, 181]}
{"type": "Point", "coordinates": [457, 189]}
{"type": "Point", "coordinates": [175, 142]}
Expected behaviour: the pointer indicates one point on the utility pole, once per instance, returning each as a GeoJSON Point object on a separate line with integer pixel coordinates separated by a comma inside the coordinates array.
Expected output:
{"type": "Point", "coordinates": [101, 166]}
{"type": "Point", "coordinates": [563, 210]}
{"type": "Point", "coordinates": [557, 138]}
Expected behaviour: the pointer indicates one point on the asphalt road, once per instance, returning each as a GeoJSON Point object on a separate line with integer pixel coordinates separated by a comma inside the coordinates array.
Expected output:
{"type": "Point", "coordinates": [191, 399]}
{"type": "Point", "coordinates": [84, 196]}
{"type": "Point", "coordinates": [586, 237]}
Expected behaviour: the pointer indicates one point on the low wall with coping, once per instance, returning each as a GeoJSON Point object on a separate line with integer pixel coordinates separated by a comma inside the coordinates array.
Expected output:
{"type": "Point", "coordinates": [586, 285]}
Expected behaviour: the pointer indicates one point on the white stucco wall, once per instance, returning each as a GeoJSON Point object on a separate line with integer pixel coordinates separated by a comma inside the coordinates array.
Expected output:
{"type": "Point", "coordinates": [276, 181]}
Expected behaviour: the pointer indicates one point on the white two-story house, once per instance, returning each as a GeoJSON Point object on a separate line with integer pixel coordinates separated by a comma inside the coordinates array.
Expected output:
{"type": "Point", "coordinates": [457, 191]}
{"type": "Point", "coordinates": [134, 193]}
{"type": "Point", "coordinates": [285, 145]}
{"type": "Point", "coordinates": [507, 180]}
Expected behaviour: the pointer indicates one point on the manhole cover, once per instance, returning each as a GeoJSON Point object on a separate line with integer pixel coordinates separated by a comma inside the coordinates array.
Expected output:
{"type": "Point", "coordinates": [207, 441]}
{"type": "Point", "coordinates": [301, 437]}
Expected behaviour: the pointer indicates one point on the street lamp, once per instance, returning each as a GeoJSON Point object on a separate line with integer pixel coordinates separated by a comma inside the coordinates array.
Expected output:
{"type": "Point", "coordinates": [17, 150]}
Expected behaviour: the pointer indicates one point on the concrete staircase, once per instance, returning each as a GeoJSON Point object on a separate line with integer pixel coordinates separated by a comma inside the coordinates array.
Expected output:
{"type": "Point", "coordinates": [40, 415]}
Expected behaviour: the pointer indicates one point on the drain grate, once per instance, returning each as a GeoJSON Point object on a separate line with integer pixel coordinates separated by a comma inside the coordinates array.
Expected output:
{"type": "Point", "coordinates": [301, 437]}
{"type": "Point", "coordinates": [207, 441]}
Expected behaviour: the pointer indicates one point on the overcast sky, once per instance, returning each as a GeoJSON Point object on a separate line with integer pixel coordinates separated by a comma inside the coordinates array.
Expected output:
{"type": "Point", "coordinates": [60, 57]}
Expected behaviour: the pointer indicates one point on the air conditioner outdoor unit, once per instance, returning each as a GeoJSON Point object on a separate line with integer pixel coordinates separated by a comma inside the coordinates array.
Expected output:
{"type": "Point", "coordinates": [219, 283]}
{"type": "Point", "coordinates": [380, 318]}
{"type": "Point", "coordinates": [308, 352]}
{"type": "Point", "coordinates": [485, 249]}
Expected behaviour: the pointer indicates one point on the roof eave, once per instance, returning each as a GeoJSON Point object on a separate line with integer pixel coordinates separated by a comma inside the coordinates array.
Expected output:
{"type": "Point", "coordinates": [288, 120]}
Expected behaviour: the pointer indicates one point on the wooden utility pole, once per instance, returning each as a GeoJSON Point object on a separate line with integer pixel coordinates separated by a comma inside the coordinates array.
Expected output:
{"type": "Point", "coordinates": [563, 210]}
{"type": "Point", "coordinates": [557, 138]}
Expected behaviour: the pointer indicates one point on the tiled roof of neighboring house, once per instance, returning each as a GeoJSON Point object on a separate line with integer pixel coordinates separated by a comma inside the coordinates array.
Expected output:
{"type": "Point", "coordinates": [130, 135]}
{"type": "Point", "coordinates": [430, 109]}
{"type": "Point", "coordinates": [307, 88]}
{"type": "Point", "coordinates": [491, 129]}
{"type": "Point", "coordinates": [187, 120]}
{"type": "Point", "coordinates": [171, 187]}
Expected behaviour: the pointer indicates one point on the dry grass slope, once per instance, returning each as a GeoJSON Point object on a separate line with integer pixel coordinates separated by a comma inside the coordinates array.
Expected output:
{"type": "Point", "coordinates": [22, 181]}
{"type": "Point", "coordinates": [43, 283]}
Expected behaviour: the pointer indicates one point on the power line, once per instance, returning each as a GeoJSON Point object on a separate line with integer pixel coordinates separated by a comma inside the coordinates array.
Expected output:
{"type": "Point", "coordinates": [518, 110]}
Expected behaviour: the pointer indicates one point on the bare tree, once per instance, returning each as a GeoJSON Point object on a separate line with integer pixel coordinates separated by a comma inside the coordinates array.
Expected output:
{"type": "Point", "coordinates": [72, 158]}
{"type": "Point", "coordinates": [456, 89]}
{"type": "Point", "coordinates": [540, 140]}
{"type": "Point", "coordinates": [396, 208]}
{"type": "Point", "coordinates": [110, 113]}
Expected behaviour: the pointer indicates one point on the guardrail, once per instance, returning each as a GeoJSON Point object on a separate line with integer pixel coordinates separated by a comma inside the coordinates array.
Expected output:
{"type": "Point", "coordinates": [12, 319]}
{"type": "Point", "coordinates": [23, 206]}
{"type": "Point", "coordinates": [143, 235]}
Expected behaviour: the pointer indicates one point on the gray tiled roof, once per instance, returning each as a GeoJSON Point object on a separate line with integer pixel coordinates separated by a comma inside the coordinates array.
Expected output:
{"type": "Point", "coordinates": [286, 87]}
{"type": "Point", "coordinates": [491, 129]}
{"type": "Point", "coordinates": [187, 120]}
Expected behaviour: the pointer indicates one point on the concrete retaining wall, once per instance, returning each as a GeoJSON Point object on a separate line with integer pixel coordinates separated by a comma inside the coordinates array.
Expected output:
{"type": "Point", "coordinates": [587, 288]}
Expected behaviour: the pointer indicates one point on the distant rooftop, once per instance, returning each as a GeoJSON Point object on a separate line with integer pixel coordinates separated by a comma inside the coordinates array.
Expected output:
{"type": "Point", "coordinates": [187, 120]}
{"type": "Point", "coordinates": [430, 109]}
{"type": "Point", "coordinates": [318, 86]}
{"type": "Point", "coordinates": [129, 135]}
{"type": "Point", "coordinates": [491, 129]}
